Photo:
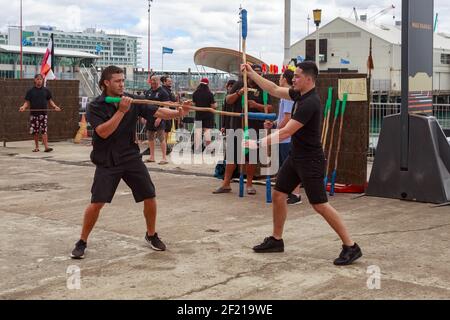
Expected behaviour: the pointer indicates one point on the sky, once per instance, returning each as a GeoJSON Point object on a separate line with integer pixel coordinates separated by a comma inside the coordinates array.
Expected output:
{"type": "Point", "coordinates": [187, 25]}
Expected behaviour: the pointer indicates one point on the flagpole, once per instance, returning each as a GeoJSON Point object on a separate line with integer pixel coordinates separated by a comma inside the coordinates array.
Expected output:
{"type": "Point", "coordinates": [162, 60]}
{"type": "Point", "coordinates": [21, 44]}
{"type": "Point", "coordinates": [52, 65]}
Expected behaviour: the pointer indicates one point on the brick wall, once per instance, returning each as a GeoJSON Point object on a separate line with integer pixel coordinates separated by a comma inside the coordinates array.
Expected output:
{"type": "Point", "coordinates": [14, 124]}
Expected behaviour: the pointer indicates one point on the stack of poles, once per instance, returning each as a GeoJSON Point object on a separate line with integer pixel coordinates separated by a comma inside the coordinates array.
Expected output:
{"type": "Point", "coordinates": [268, 180]}
{"type": "Point", "coordinates": [245, 105]}
{"type": "Point", "coordinates": [336, 114]}
{"type": "Point", "coordinates": [341, 128]}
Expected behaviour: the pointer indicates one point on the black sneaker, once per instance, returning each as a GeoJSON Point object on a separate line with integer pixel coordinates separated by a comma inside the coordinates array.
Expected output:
{"type": "Point", "coordinates": [155, 242]}
{"type": "Point", "coordinates": [293, 199]}
{"type": "Point", "coordinates": [78, 251]}
{"type": "Point", "coordinates": [348, 255]}
{"type": "Point", "coordinates": [269, 245]}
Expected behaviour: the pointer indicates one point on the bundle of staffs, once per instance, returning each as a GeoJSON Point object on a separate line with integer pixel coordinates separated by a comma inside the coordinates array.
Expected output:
{"type": "Point", "coordinates": [336, 115]}
{"type": "Point", "coordinates": [341, 128]}
{"type": "Point", "coordinates": [326, 116]}
{"type": "Point", "coordinates": [245, 98]}
{"type": "Point", "coordinates": [252, 115]}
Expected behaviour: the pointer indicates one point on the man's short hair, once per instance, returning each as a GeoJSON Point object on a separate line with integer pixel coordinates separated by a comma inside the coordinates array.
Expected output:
{"type": "Point", "coordinates": [38, 76]}
{"type": "Point", "coordinates": [163, 79]}
{"type": "Point", "coordinates": [107, 75]}
{"type": "Point", "coordinates": [231, 83]}
{"type": "Point", "coordinates": [288, 75]}
{"type": "Point", "coordinates": [309, 68]}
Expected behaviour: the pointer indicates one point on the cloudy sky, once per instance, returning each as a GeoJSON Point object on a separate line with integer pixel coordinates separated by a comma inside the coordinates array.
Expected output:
{"type": "Point", "coordinates": [187, 25]}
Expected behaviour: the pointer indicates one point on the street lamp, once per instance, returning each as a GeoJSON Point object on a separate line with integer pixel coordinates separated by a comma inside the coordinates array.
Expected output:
{"type": "Point", "coordinates": [317, 20]}
{"type": "Point", "coordinates": [148, 40]}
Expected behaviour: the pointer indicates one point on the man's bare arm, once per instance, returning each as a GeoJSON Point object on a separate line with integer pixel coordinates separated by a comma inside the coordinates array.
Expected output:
{"type": "Point", "coordinates": [266, 85]}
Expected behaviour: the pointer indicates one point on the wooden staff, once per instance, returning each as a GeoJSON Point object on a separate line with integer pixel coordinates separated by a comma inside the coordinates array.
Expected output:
{"type": "Point", "coordinates": [326, 117]}
{"type": "Point", "coordinates": [268, 180]}
{"type": "Point", "coordinates": [245, 98]}
{"type": "Point", "coordinates": [341, 128]}
{"type": "Point", "coordinates": [255, 116]}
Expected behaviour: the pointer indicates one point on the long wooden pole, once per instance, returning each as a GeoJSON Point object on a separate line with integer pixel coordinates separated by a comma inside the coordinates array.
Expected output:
{"type": "Point", "coordinates": [341, 128]}
{"type": "Point", "coordinates": [244, 61]}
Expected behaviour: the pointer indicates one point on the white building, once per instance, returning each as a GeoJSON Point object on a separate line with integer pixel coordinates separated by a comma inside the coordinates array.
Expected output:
{"type": "Point", "coordinates": [347, 41]}
{"type": "Point", "coordinates": [121, 50]}
{"type": "Point", "coordinates": [3, 38]}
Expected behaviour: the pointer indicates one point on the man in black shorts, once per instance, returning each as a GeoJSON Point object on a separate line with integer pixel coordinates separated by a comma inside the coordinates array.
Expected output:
{"type": "Point", "coordinates": [156, 127]}
{"type": "Point", "coordinates": [255, 105]}
{"type": "Point", "coordinates": [38, 98]}
{"type": "Point", "coordinates": [306, 162]}
{"type": "Point", "coordinates": [116, 155]}
{"type": "Point", "coordinates": [167, 82]}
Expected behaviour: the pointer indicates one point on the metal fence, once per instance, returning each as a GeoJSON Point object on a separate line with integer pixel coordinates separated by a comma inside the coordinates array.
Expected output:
{"type": "Point", "coordinates": [379, 110]}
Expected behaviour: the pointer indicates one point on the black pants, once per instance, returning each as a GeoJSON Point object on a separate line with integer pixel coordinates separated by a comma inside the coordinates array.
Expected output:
{"type": "Point", "coordinates": [134, 173]}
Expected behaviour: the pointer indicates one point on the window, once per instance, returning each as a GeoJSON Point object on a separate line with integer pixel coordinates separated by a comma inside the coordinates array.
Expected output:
{"type": "Point", "coordinates": [445, 58]}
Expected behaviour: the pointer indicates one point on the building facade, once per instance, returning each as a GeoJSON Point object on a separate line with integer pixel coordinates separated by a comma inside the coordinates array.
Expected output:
{"type": "Point", "coordinates": [120, 50]}
{"type": "Point", "coordinates": [344, 46]}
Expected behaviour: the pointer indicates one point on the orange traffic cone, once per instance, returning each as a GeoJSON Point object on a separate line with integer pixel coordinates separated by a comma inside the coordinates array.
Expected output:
{"type": "Point", "coordinates": [82, 132]}
{"type": "Point", "coordinates": [83, 126]}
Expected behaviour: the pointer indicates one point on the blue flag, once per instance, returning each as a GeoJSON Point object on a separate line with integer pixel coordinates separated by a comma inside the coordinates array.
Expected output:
{"type": "Point", "coordinates": [167, 50]}
{"type": "Point", "coordinates": [343, 61]}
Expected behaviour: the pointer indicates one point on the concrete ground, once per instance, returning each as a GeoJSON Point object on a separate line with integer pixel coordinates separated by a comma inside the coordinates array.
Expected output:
{"type": "Point", "coordinates": [209, 239]}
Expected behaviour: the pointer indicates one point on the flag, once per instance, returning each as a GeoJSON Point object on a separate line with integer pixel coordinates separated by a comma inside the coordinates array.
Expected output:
{"type": "Point", "coordinates": [47, 65]}
{"type": "Point", "coordinates": [343, 61]}
{"type": "Point", "coordinates": [167, 50]}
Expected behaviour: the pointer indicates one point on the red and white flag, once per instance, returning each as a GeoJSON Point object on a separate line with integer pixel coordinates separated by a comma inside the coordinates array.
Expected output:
{"type": "Point", "coordinates": [47, 62]}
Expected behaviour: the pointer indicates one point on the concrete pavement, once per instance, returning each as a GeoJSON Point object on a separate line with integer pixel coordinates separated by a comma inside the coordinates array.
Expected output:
{"type": "Point", "coordinates": [209, 239]}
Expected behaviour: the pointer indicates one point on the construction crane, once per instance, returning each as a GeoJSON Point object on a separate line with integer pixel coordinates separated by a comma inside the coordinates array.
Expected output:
{"type": "Point", "coordinates": [382, 13]}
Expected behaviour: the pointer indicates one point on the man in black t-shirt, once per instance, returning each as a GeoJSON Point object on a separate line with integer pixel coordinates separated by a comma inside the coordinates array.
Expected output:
{"type": "Point", "coordinates": [156, 126]}
{"type": "Point", "coordinates": [116, 155]}
{"type": "Point", "coordinates": [306, 162]}
{"type": "Point", "coordinates": [255, 104]}
{"type": "Point", "coordinates": [38, 98]}
{"type": "Point", "coordinates": [167, 82]}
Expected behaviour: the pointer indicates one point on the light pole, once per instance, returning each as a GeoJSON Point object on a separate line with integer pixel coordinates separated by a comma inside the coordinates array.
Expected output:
{"type": "Point", "coordinates": [148, 40]}
{"type": "Point", "coordinates": [317, 20]}
{"type": "Point", "coordinates": [21, 43]}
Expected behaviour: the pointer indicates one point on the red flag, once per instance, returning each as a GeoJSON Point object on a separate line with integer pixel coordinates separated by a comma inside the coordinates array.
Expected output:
{"type": "Point", "coordinates": [47, 65]}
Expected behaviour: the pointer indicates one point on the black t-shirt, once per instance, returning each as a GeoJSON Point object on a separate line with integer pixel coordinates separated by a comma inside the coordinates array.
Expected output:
{"type": "Point", "coordinates": [170, 93]}
{"type": "Point", "coordinates": [120, 146]}
{"type": "Point", "coordinates": [307, 110]}
{"type": "Point", "coordinates": [238, 107]}
{"type": "Point", "coordinates": [159, 94]}
{"type": "Point", "coordinates": [38, 98]}
{"type": "Point", "coordinates": [203, 98]}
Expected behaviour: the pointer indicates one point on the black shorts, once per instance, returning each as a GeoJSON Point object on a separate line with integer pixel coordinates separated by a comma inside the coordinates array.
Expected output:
{"type": "Point", "coordinates": [311, 173]}
{"type": "Point", "coordinates": [207, 123]}
{"type": "Point", "coordinates": [150, 126]}
{"type": "Point", "coordinates": [134, 173]}
{"type": "Point", "coordinates": [38, 124]}
{"type": "Point", "coordinates": [168, 125]}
